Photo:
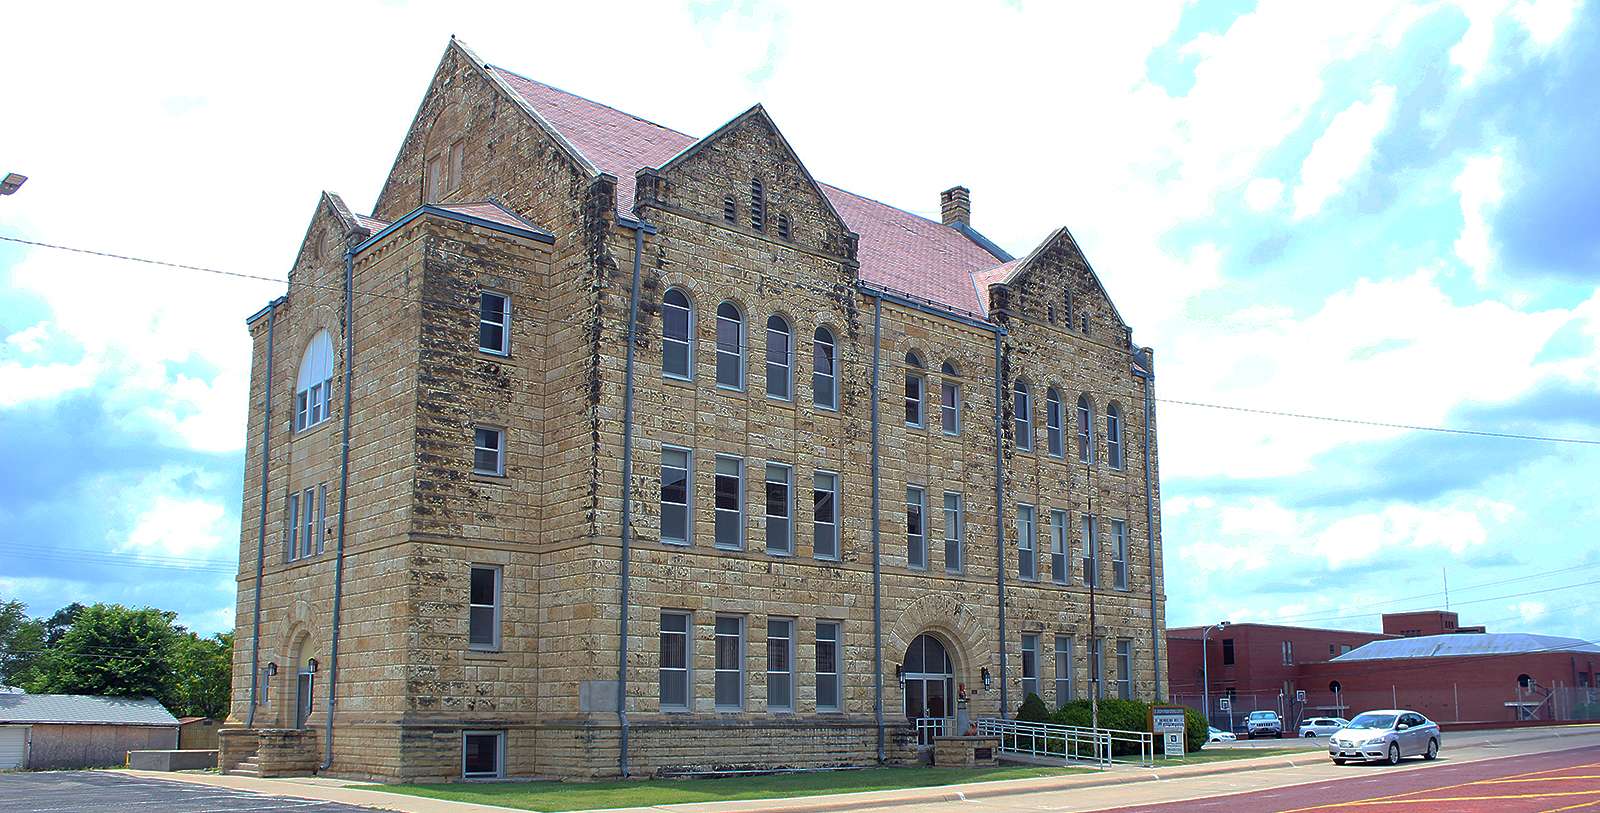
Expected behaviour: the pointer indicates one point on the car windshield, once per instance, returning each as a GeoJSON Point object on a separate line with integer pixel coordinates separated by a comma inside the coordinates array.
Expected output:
{"type": "Point", "coordinates": [1263, 715]}
{"type": "Point", "coordinates": [1373, 721]}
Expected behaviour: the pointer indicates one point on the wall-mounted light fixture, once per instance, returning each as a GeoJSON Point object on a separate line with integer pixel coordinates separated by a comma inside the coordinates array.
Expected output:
{"type": "Point", "coordinates": [272, 669]}
{"type": "Point", "coordinates": [987, 681]}
{"type": "Point", "coordinates": [311, 666]}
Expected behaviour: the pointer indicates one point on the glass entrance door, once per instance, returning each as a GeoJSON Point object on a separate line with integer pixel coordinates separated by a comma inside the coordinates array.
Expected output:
{"type": "Point", "coordinates": [302, 699]}
{"type": "Point", "coordinates": [929, 687]}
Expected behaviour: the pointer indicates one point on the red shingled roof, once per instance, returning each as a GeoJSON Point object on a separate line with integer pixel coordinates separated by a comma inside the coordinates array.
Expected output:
{"type": "Point", "coordinates": [898, 250]}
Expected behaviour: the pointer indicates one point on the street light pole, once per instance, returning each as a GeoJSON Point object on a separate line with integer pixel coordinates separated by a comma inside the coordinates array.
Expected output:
{"type": "Point", "coordinates": [1205, 666]}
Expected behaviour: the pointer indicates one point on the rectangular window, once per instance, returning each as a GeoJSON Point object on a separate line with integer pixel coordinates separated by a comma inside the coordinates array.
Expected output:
{"type": "Point", "coordinates": [302, 412]}
{"type": "Point", "coordinates": [730, 350]}
{"type": "Point", "coordinates": [1030, 665]}
{"type": "Point", "coordinates": [730, 503]}
{"type": "Point", "coordinates": [1288, 653]}
{"type": "Point", "coordinates": [730, 663]}
{"type": "Point", "coordinates": [1090, 528]}
{"type": "Point", "coordinates": [1059, 546]}
{"type": "Point", "coordinates": [829, 661]}
{"type": "Point", "coordinates": [778, 359]}
{"type": "Point", "coordinates": [823, 377]}
{"type": "Point", "coordinates": [1125, 669]}
{"type": "Point", "coordinates": [1063, 670]}
{"type": "Point", "coordinates": [916, 535]}
{"type": "Point", "coordinates": [675, 495]}
{"type": "Point", "coordinates": [482, 754]}
{"type": "Point", "coordinates": [780, 664]}
{"type": "Point", "coordinates": [322, 517]}
{"type": "Point", "coordinates": [1119, 554]}
{"type": "Point", "coordinates": [1027, 556]}
{"type": "Point", "coordinates": [780, 538]}
{"type": "Point", "coordinates": [914, 416]}
{"type": "Point", "coordinates": [1097, 667]}
{"type": "Point", "coordinates": [950, 407]}
{"type": "Point", "coordinates": [489, 451]}
{"type": "Point", "coordinates": [291, 545]}
{"type": "Point", "coordinates": [825, 515]}
{"type": "Point", "coordinates": [1022, 406]}
{"type": "Point", "coordinates": [458, 158]}
{"type": "Point", "coordinates": [308, 536]}
{"type": "Point", "coordinates": [1227, 652]}
{"type": "Point", "coordinates": [1052, 425]}
{"type": "Point", "coordinates": [953, 531]}
{"type": "Point", "coordinates": [483, 608]}
{"type": "Point", "coordinates": [674, 661]}
{"type": "Point", "coordinates": [494, 323]}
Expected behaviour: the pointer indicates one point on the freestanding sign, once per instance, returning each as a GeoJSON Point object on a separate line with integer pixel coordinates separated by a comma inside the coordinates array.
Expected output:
{"type": "Point", "coordinates": [1167, 724]}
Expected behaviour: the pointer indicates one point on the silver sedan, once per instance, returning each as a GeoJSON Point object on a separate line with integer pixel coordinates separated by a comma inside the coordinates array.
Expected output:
{"type": "Point", "coordinates": [1386, 735]}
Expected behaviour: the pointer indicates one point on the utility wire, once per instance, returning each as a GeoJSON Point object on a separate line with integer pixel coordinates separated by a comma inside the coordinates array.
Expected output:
{"type": "Point", "coordinates": [1318, 616]}
{"type": "Point", "coordinates": [1382, 424]}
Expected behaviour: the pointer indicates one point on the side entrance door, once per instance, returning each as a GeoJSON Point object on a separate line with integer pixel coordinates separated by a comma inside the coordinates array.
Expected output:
{"type": "Point", "coordinates": [302, 698]}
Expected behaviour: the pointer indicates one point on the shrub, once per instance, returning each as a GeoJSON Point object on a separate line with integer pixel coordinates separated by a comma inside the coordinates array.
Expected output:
{"type": "Point", "coordinates": [1195, 730]}
{"type": "Point", "coordinates": [1033, 710]}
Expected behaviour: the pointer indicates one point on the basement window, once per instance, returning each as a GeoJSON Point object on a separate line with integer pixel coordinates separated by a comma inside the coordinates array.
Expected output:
{"type": "Point", "coordinates": [483, 754]}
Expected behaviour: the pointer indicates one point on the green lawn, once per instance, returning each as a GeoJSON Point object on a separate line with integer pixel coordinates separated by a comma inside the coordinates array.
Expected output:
{"type": "Point", "coordinates": [552, 796]}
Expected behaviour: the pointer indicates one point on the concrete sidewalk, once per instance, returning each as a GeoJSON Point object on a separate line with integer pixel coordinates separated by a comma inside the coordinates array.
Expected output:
{"type": "Point", "coordinates": [338, 790]}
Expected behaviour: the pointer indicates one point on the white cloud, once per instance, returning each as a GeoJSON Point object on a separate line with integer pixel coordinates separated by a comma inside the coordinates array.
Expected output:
{"type": "Point", "coordinates": [1481, 189]}
{"type": "Point", "coordinates": [179, 527]}
{"type": "Point", "coordinates": [1543, 23]}
{"type": "Point", "coordinates": [1342, 151]}
{"type": "Point", "coordinates": [1530, 611]}
{"type": "Point", "coordinates": [1263, 194]}
{"type": "Point", "coordinates": [30, 340]}
{"type": "Point", "coordinates": [1546, 21]}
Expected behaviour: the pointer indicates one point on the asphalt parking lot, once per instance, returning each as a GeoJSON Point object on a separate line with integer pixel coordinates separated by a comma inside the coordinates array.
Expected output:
{"type": "Point", "coordinates": [80, 791]}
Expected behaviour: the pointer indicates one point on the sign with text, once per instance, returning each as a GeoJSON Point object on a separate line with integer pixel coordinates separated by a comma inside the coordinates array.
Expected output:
{"type": "Point", "coordinates": [1167, 724]}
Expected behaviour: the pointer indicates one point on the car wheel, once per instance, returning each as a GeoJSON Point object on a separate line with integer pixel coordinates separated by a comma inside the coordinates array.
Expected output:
{"type": "Point", "coordinates": [1310, 734]}
{"type": "Point", "coordinates": [1251, 735]}
{"type": "Point", "coordinates": [1338, 761]}
{"type": "Point", "coordinates": [1433, 750]}
{"type": "Point", "coordinates": [1394, 753]}
{"type": "Point", "coordinates": [1278, 736]}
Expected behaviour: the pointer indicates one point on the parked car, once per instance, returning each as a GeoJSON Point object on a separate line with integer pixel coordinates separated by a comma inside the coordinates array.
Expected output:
{"type": "Point", "coordinates": [1322, 726]}
{"type": "Point", "coordinates": [1263, 724]}
{"type": "Point", "coordinates": [1388, 735]}
{"type": "Point", "coordinates": [1215, 734]}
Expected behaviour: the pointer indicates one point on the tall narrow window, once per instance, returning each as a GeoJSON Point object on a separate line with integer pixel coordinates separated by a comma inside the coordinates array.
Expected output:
{"type": "Point", "coordinates": [436, 178]}
{"type": "Point", "coordinates": [825, 515]}
{"type": "Point", "coordinates": [322, 516]}
{"type": "Point", "coordinates": [729, 663]}
{"type": "Point", "coordinates": [1030, 665]}
{"type": "Point", "coordinates": [675, 495]}
{"type": "Point", "coordinates": [1022, 405]}
{"type": "Point", "coordinates": [1227, 652]}
{"type": "Point", "coordinates": [730, 346]}
{"type": "Point", "coordinates": [483, 607]}
{"type": "Point", "coordinates": [1097, 665]}
{"type": "Point", "coordinates": [915, 385]}
{"type": "Point", "coordinates": [1288, 653]}
{"type": "Point", "coordinates": [1091, 550]}
{"type": "Point", "coordinates": [780, 664]}
{"type": "Point", "coordinates": [779, 536]}
{"type": "Point", "coordinates": [488, 451]}
{"type": "Point", "coordinates": [458, 160]}
{"type": "Point", "coordinates": [758, 205]}
{"type": "Point", "coordinates": [1027, 557]}
{"type": "Point", "coordinates": [730, 210]}
{"type": "Point", "coordinates": [1125, 669]}
{"type": "Point", "coordinates": [916, 535]}
{"type": "Point", "coordinates": [780, 359]}
{"type": "Point", "coordinates": [308, 534]}
{"type": "Point", "coordinates": [494, 323]}
{"type": "Point", "coordinates": [314, 385]}
{"type": "Point", "coordinates": [1066, 312]}
{"type": "Point", "coordinates": [829, 660]}
{"type": "Point", "coordinates": [291, 544]}
{"type": "Point", "coordinates": [730, 503]}
{"type": "Point", "coordinates": [677, 335]}
{"type": "Point", "coordinates": [824, 378]}
{"type": "Point", "coordinates": [1059, 569]}
{"type": "Point", "coordinates": [785, 231]}
{"type": "Point", "coordinates": [1119, 554]}
{"type": "Point", "coordinates": [1052, 423]}
{"type": "Point", "coordinates": [952, 532]}
{"type": "Point", "coordinates": [949, 401]}
{"type": "Point", "coordinates": [1085, 430]}
{"type": "Point", "coordinates": [1063, 670]}
{"type": "Point", "coordinates": [1114, 436]}
{"type": "Point", "coordinates": [674, 661]}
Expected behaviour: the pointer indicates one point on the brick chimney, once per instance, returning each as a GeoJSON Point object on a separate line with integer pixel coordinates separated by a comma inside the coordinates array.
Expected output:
{"type": "Point", "coordinates": [955, 205]}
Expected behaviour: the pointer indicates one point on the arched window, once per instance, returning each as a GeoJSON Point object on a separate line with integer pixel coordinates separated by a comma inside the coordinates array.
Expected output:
{"type": "Point", "coordinates": [1085, 430]}
{"type": "Point", "coordinates": [950, 400]}
{"type": "Point", "coordinates": [1022, 405]}
{"type": "Point", "coordinates": [824, 375]}
{"type": "Point", "coordinates": [730, 346]}
{"type": "Point", "coordinates": [730, 210]}
{"type": "Point", "coordinates": [916, 414]}
{"type": "Point", "coordinates": [780, 357]}
{"type": "Point", "coordinates": [758, 205]}
{"type": "Point", "coordinates": [1114, 436]}
{"type": "Point", "coordinates": [785, 229]}
{"type": "Point", "coordinates": [1054, 439]}
{"type": "Point", "coordinates": [313, 389]}
{"type": "Point", "coordinates": [677, 335]}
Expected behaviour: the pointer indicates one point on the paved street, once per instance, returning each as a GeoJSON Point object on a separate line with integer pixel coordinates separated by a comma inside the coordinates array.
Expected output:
{"type": "Point", "coordinates": [82, 791]}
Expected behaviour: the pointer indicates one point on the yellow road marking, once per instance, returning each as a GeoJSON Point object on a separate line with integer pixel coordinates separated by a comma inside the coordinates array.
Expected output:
{"type": "Point", "coordinates": [1377, 799]}
{"type": "Point", "coordinates": [1542, 779]}
{"type": "Point", "coordinates": [1578, 806]}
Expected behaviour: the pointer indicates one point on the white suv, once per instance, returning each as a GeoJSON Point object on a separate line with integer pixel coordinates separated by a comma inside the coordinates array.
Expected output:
{"type": "Point", "coordinates": [1263, 724]}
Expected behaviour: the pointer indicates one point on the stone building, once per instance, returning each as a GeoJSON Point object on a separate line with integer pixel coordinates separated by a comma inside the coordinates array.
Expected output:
{"type": "Point", "coordinates": [561, 321]}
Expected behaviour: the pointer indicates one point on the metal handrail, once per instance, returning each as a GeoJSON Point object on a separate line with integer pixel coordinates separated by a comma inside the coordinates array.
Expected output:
{"type": "Point", "coordinates": [1096, 746]}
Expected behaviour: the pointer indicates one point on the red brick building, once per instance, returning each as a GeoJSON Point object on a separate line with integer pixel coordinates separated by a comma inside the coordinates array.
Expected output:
{"type": "Point", "coordinates": [1425, 622]}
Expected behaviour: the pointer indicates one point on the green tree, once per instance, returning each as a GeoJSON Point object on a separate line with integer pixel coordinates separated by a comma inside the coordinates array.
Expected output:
{"type": "Point", "coordinates": [112, 650]}
{"type": "Point", "coordinates": [203, 675]}
{"type": "Point", "coordinates": [58, 624]}
{"type": "Point", "coordinates": [21, 642]}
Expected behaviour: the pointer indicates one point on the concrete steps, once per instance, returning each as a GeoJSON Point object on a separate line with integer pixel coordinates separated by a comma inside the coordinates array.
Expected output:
{"type": "Point", "coordinates": [248, 767]}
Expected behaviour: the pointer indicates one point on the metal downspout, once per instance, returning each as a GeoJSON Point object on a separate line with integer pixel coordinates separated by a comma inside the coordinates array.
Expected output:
{"type": "Point", "coordinates": [627, 508]}
{"type": "Point", "coordinates": [1000, 522]}
{"type": "Point", "coordinates": [877, 540]}
{"type": "Point", "coordinates": [261, 529]}
{"type": "Point", "coordinates": [344, 492]}
{"type": "Point", "coordinates": [1150, 531]}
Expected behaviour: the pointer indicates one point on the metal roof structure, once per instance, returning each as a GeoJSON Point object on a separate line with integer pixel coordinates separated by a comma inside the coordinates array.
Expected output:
{"type": "Point", "coordinates": [1465, 645]}
{"type": "Point", "coordinates": [82, 709]}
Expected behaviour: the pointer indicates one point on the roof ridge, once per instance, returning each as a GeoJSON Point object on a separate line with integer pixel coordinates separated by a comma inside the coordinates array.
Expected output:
{"type": "Point", "coordinates": [595, 102]}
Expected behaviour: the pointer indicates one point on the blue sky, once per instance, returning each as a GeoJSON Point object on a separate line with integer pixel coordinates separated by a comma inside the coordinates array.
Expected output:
{"type": "Point", "coordinates": [1372, 211]}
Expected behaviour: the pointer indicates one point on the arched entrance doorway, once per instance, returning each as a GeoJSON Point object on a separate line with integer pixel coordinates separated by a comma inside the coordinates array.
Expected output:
{"type": "Point", "coordinates": [929, 679]}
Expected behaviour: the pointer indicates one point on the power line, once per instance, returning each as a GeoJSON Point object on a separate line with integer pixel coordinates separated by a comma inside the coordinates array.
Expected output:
{"type": "Point", "coordinates": [1315, 617]}
{"type": "Point", "coordinates": [1471, 601]}
{"type": "Point", "coordinates": [1381, 424]}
